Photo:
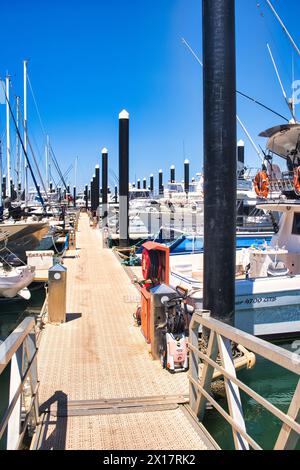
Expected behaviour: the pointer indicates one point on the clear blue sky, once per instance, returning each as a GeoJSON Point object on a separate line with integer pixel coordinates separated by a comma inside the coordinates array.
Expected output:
{"type": "Point", "coordinates": [90, 59]}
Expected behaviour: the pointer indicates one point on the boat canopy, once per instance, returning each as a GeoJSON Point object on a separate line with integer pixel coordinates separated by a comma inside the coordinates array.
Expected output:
{"type": "Point", "coordinates": [284, 141]}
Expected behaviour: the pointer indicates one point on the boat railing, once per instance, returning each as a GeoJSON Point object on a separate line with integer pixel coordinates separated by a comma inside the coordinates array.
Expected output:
{"type": "Point", "coordinates": [203, 364]}
{"type": "Point", "coordinates": [18, 359]}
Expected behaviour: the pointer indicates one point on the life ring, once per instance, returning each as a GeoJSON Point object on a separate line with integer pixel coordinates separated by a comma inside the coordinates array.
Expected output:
{"type": "Point", "coordinates": [262, 184]}
{"type": "Point", "coordinates": [297, 180]}
{"type": "Point", "coordinates": [151, 267]}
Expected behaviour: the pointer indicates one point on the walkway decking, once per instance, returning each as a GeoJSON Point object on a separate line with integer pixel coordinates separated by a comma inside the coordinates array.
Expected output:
{"type": "Point", "coordinates": [100, 355]}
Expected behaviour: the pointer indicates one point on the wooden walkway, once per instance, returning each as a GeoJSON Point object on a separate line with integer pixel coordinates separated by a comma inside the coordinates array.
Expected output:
{"type": "Point", "coordinates": [100, 389]}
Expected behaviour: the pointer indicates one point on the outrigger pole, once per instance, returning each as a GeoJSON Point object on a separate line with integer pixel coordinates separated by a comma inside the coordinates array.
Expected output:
{"type": "Point", "coordinates": [238, 92]}
{"type": "Point", "coordinates": [284, 27]}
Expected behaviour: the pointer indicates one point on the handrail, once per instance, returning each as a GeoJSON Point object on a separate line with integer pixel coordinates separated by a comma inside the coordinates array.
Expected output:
{"type": "Point", "coordinates": [20, 351]}
{"type": "Point", "coordinates": [12, 343]}
{"type": "Point", "coordinates": [220, 337]}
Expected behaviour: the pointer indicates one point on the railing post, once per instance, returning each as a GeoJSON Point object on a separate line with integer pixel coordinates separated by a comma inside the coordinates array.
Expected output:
{"type": "Point", "coordinates": [232, 392]}
{"type": "Point", "coordinates": [57, 294]}
{"type": "Point", "coordinates": [14, 423]}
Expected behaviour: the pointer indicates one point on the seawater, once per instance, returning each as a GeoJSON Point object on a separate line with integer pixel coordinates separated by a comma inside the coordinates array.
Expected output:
{"type": "Point", "coordinates": [275, 384]}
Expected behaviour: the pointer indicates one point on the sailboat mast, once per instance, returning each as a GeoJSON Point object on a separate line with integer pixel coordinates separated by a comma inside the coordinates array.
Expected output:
{"type": "Point", "coordinates": [8, 185]}
{"type": "Point", "coordinates": [47, 161]}
{"type": "Point", "coordinates": [25, 131]}
{"type": "Point", "coordinates": [18, 154]}
{"type": "Point", "coordinates": [1, 183]}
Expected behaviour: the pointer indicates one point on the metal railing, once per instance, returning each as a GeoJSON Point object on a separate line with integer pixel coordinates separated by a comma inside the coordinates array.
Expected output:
{"type": "Point", "coordinates": [203, 365]}
{"type": "Point", "coordinates": [19, 351]}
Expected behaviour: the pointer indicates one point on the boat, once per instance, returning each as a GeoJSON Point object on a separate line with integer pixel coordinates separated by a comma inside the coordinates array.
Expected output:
{"type": "Point", "coordinates": [14, 281]}
{"type": "Point", "coordinates": [22, 236]}
{"type": "Point", "coordinates": [267, 276]}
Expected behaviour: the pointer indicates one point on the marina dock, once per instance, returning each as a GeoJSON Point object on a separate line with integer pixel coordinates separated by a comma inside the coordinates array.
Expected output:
{"type": "Point", "coordinates": [99, 387]}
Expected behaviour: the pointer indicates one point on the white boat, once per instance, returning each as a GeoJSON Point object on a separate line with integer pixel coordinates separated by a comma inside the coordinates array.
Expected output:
{"type": "Point", "coordinates": [15, 281]}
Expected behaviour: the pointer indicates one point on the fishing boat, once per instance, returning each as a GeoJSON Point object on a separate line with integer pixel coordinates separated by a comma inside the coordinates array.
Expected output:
{"type": "Point", "coordinates": [268, 276]}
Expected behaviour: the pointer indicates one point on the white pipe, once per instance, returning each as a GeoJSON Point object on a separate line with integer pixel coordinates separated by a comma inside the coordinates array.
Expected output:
{"type": "Point", "coordinates": [8, 137]}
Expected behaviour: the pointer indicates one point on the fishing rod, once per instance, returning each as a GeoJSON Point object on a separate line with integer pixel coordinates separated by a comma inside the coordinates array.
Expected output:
{"type": "Point", "coordinates": [284, 27]}
{"type": "Point", "coordinates": [237, 91]}
{"type": "Point", "coordinates": [24, 150]}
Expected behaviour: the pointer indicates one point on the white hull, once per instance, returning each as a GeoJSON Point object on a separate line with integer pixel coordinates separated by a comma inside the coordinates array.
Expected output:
{"type": "Point", "coordinates": [12, 282]}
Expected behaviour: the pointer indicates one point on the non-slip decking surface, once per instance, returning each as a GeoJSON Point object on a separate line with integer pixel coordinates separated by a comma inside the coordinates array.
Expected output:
{"type": "Point", "coordinates": [99, 354]}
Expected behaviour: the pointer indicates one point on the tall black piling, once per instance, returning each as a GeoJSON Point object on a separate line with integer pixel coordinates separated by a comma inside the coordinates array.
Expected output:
{"type": "Point", "coordinates": [144, 183]}
{"type": "Point", "coordinates": [124, 178]}
{"type": "Point", "coordinates": [186, 176]}
{"type": "Point", "coordinates": [74, 196]}
{"type": "Point", "coordinates": [97, 187]}
{"type": "Point", "coordinates": [86, 197]}
{"type": "Point", "coordinates": [104, 186]}
{"type": "Point", "coordinates": [116, 194]}
{"type": "Point", "coordinates": [151, 183]}
{"type": "Point", "coordinates": [4, 187]}
{"type": "Point", "coordinates": [219, 158]}
{"type": "Point", "coordinates": [172, 174]}
{"type": "Point", "coordinates": [160, 182]}
{"type": "Point", "coordinates": [241, 157]}
{"type": "Point", "coordinates": [138, 184]}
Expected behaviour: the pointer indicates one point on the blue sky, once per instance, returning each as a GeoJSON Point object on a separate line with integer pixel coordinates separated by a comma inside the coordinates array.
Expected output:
{"type": "Point", "coordinates": [90, 59]}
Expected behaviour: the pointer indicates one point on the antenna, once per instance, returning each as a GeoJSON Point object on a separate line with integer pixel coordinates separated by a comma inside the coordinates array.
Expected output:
{"type": "Point", "coordinates": [280, 83]}
{"type": "Point", "coordinates": [284, 27]}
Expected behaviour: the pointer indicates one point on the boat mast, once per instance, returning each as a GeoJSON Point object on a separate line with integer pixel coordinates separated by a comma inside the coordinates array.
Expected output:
{"type": "Point", "coordinates": [18, 154]}
{"type": "Point", "coordinates": [25, 131]}
{"type": "Point", "coordinates": [284, 27]}
{"type": "Point", "coordinates": [8, 185]}
{"type": "Point", "coordinates": [47, 164]}
{"type": "Point", "coordinates": [1, 181]}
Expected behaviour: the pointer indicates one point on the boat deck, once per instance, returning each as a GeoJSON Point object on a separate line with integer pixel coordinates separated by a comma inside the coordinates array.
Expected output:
{"type": "Point", "coordinates": [99, 387]}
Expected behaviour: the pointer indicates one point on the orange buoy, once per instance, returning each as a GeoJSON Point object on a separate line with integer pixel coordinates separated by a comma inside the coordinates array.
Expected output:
{"type": "Point", "coordinates": [262, 184]}
{"type": "Point", "coordinates": [297, 180]}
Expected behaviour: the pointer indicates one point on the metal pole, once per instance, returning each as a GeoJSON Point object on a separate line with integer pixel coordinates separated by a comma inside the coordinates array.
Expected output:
{"type": "Point", "coordinates": [8, 136]}
{"type": "Point", "coordinates": [144, 183]}
{"type": "Point", "coordinates": [219, 158]}
{"type": "Point", "coordinates": [124, 177]}
{"type": "Point", "coordinates": [18, 153]}
{"type": "Point", "coordinates": [104, 186]}
{"type": "Point", "coordinates": [186, 176]}
{"type": "Point", "coordinates": [25, 131]}
{"type": "Point", "coordinates": [1, 181]}
{"type": "Point", "coordinates": [74, 196]}
{"type": "Point", "coordinates": [138, 184]}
